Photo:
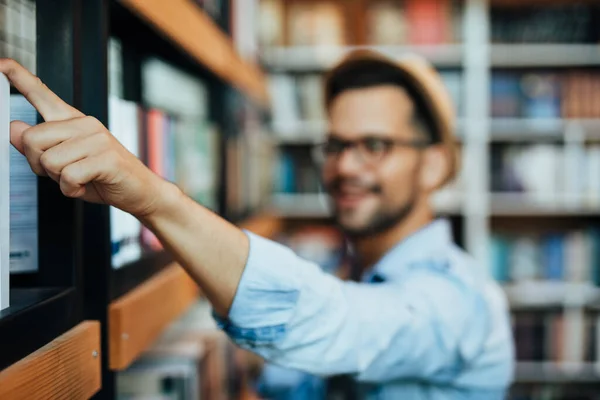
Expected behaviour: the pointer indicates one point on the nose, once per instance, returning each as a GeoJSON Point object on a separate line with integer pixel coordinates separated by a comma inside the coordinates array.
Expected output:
{"type": "Point", "coordinates": [348, 163]}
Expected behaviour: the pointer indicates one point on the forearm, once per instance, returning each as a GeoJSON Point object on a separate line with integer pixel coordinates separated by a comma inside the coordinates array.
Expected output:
{"type": "Point", "coordinates": [212, 250]}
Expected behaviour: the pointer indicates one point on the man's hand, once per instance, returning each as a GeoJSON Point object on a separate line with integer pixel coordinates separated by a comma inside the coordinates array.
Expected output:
{"type": "Point", "coordinates": [79, 153]}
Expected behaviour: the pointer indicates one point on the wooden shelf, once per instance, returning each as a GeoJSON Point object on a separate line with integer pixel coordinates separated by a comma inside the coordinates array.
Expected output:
{"type": "Point", "coordinates": [551, 294]}
{"type": "Point", "coordinates": [138, 318]}
{"type": "Point", "coordinates": [544, 55]}
{"type": "Point", "coordinates": [67, 367]}
{"type": "Point", "coordinates": [521, 204]}
{"type": "Point", "coordinates": [556, 372]}
{"type": "Point", "coordinates": [320, 58]}
{"type": "Point", "coordinates": [190, 28]}
{"type": "Point", "coordinates": [532, 129]}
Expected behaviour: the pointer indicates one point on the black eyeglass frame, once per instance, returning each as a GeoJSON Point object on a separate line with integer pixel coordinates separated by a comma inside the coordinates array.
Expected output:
{"type": "Point", "coordinates": [321, 153]}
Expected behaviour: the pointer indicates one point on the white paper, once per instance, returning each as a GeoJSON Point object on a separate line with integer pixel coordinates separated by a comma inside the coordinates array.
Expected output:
{"type": "Point", "coordinates": [4, 191]}
{"type": "Point", "coordinates": [125, 229]}
{"type": "Point", "coordinates": [23, 198]}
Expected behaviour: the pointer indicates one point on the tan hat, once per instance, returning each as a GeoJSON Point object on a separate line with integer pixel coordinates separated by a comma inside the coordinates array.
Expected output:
{"type": "Point", "coordinates": [428, 85]}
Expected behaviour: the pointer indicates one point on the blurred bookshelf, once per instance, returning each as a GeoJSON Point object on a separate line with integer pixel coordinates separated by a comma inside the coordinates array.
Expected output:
{"type": "Point", "coordinates": [554, 372]}
{"type": "Point", "coordinates": [167, 81]}
{"type": "Point", "coordinates": [544, 55]}
{"type": "Point", "coordinates": [321, 58]}
{"type": "Point", "coordinates": [525, 77]}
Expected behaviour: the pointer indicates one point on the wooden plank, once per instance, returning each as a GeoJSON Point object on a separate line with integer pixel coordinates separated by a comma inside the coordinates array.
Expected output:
{"type": "Point", "coordinates": [266, 225]}
{"type": "Point", "coordinates": [66, 368]}
{"type": "Point", "coordinates": [189, 27]}
{"type": "Point", "coordinates": [136, 319]}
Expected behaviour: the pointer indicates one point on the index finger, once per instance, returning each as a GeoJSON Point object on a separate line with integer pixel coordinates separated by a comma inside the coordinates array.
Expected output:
{"type": "Point", "coordinates": [49, 105]}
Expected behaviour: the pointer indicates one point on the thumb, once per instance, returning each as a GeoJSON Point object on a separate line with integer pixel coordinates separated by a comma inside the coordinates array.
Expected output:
{"type": "Point", "coordinates": [17, 128]}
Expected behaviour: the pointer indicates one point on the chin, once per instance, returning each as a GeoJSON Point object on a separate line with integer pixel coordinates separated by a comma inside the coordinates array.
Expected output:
{"type": "Point", "coordinates": [353, 227]}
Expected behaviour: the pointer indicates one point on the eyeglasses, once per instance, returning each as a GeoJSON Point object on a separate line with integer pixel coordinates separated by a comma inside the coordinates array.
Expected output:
{"type": "Point", "coordinates": [370, 150]}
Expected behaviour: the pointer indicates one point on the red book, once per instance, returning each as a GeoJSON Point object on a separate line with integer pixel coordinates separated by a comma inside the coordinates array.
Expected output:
{"type": "Point", "coordinates": [428, 21]}
{"type": "Point", "coordinates": [156, 126]}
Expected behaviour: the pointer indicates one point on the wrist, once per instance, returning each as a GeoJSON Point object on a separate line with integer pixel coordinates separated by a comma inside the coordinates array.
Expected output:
{"type": "Point", "coordinates": [167, 200]}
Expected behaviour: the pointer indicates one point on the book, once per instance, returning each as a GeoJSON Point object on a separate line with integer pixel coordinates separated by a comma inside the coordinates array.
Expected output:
{"type": "Point", "coordinates": [506, 95]}
{"type": "Point", "coordinates": [271, 23]}
{"type": "Point", "coordinates": [429, 21]}
{"type": "Point", "coordinates": [23, 198]}
{"type": "Point", "coordinates": [570, 178]}
{"type": "Point", "coordinates": [125, 229]}
{"type": "Point", "coordinates": [541, 95]}
{"type": "Point", "coordinates": [562, 256]}
{"type": "Point", "coordinates": [553, 23]}
{"type": "Point", "coordinates": [5, 147]}
{"type": "Point", "coordinates": [386, 23]}
{"type": "Point", "coordinates": [316, 24]}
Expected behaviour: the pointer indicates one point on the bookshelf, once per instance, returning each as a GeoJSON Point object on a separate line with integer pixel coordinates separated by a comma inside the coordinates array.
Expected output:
{"type": "Point", "coordinates": [506, 129]}
{"type": "Point", "coordinates": [310, 59]}
{"type": "Point", "coordinates": [544, 55]}
{"type": "Point", "coordinates": [532, 372]}
{"type": "Point", "coordinates": [71, 317]}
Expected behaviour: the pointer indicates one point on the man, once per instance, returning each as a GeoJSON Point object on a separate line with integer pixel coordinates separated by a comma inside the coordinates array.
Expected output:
{"type": "Point", "coordinates": [425, 323]}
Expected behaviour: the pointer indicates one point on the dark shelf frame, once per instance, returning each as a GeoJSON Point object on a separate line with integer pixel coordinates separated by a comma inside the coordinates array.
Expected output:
{"type": "Point", "coordinates": [47, 303]}
{"type": "Point", "coordinates": [75, 280]}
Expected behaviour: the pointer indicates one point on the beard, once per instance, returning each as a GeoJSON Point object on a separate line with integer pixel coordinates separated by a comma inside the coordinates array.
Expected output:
{"type": "Point", "coordinates": [382, 220]}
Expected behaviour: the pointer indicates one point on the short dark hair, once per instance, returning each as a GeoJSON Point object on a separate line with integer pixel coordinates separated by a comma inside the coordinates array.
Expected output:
{"type": "Point", "coordinates": [366, 73]}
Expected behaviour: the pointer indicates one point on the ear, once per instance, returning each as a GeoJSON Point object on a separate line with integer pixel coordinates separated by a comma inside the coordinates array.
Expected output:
{"type": "Point", "coordinates": [434, 168]}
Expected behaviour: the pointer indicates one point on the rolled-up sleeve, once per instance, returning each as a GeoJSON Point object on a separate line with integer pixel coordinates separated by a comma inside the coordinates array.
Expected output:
{"type": "Point", "coordinates": [293, 314]}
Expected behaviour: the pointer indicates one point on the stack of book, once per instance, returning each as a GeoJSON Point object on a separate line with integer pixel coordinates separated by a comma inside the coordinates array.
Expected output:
{"type": "Point", "coordinates": [335, 22]}
{"type": "Point", "coordinates": [572, 256]}
{"type": "Point", "coordinates": [415, 22]}
{"type": "Point", "coordinates": [533, 94]}
{"type": "Point", "coordinates": [249, 161]}
{"type": "Point", "coordinates": [552, 174]}
{"type": "Point", "coordinates": [555, 337]}
{"type": "Point", "coordinates": [562, 23]}
{"type": "Point", "coordinates": [180, 150]}
{"type": "Point", "coordinates": [171, 133]}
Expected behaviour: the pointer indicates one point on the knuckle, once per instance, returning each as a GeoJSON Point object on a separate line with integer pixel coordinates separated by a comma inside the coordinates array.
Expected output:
{"type": "Point", "coordinates": [92, 122]}
{"type": "Point", "coordinates": [47, 162]}
{"type": "Point", "coordinates": [103, 139]}
{"type": "Point", "coordinates": [29, 138]}
{"type": "Point", "coordinates": [69, 176]}
{"type": "Point", "coordinates": [44, 160]}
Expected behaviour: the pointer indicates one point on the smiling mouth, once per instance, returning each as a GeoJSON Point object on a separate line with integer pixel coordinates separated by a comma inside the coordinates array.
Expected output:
{"type": "Point", "coordinates": [350, 198]}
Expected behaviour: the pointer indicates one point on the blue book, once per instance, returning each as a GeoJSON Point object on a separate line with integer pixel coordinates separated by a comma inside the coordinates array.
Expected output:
{"type": "Point", "coordinates": [506, 95]}
{"type": "Point", "coordinates": [595, 255]}
{"type": "Point", "coordinates": [541, 96]}
{"type": "Point", "coordinates": [288, 179]}
{"type": "Point", "coordinates": [499, 262]}
{"type": "Point", "coordinates": [553, 257]}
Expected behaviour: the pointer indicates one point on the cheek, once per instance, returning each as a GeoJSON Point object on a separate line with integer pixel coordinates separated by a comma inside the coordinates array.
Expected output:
{"type": "Point", "coordinates": [398, 179]}
{"type": "Point", "coordinates": [327, 174]}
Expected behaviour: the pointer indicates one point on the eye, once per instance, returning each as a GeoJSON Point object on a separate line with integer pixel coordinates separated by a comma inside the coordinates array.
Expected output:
{"type": "Point", "coordinates": [376, 145]}
{"type": "Point", "coordinates": [333, 146]}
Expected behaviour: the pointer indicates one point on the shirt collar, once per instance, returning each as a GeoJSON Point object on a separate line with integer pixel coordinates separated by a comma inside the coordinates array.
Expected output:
{"type": "Point", "coordinates": [428, 242]}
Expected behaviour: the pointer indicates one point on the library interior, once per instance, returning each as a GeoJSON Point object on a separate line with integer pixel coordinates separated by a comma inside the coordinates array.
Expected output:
{"type": "Point", "coordinates": [239, 104]}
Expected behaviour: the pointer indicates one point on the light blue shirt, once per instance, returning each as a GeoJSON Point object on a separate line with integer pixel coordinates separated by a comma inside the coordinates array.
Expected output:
{"type": "Point", "coordinates": [436, 327]}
